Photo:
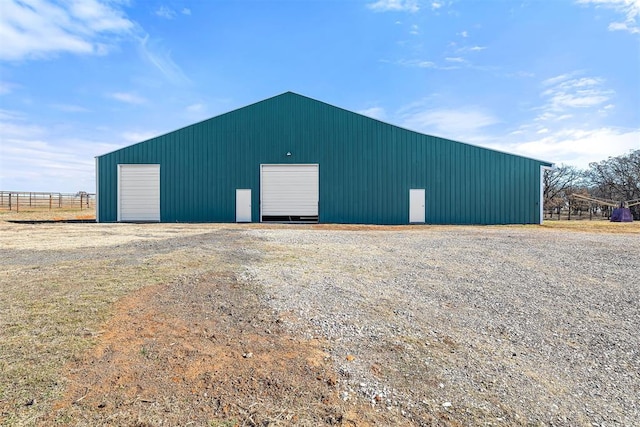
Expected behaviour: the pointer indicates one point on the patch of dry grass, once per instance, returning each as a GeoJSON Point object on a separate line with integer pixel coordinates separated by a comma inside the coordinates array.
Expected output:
{"type": "Point", "coordinates": [40, 214]}
{"type": "Point", "coordinates": [49, 316]}
{"type": "Point", "coordinates": [57, 292]}
{"type": "Point", "coordinates": [600, 226]}
{"type": "Point", "coordinates": [593, 226]}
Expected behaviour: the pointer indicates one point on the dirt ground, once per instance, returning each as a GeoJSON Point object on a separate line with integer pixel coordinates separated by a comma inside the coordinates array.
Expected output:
{"type": "Point", "coordinates": [145, 325]}
{"type": "Point", "coordinates": [195, 351]}
{"type": "Point", "coordinates": [181, 341]}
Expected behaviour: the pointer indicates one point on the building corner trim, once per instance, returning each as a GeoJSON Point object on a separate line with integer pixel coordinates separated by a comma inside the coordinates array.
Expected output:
{"type": "Point", "coordinates": [97, 203]}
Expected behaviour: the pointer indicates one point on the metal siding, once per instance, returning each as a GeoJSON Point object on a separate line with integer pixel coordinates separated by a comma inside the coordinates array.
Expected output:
{"type": "Point", "coordinates": [367, 168]}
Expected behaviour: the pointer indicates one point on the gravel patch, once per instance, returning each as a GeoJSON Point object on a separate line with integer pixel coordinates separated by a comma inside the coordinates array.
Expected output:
{"type": "Point", "coordinates": [490, 326]}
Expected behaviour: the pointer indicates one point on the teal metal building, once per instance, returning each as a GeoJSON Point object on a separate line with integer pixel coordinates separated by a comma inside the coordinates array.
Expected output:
{"type": "Point", "coordinates": [291, 158]}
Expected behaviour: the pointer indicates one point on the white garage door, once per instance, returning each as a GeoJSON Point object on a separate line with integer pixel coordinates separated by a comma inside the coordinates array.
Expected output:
{"type": "Point", "coordinates": [138, 192]}
{"type": "Point", "coordinates": [289, 193]}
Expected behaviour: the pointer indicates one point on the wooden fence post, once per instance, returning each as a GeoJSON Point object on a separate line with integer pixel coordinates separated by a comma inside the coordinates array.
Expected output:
{"type": "Point", "coordinates": [50, 200]}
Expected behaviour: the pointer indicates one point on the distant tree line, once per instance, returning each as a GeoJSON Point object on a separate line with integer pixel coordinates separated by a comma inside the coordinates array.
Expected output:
{"type": "Point", "coordinates": [615, 179]}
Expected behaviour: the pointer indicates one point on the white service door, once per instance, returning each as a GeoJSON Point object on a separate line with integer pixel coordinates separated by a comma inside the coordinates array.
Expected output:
{"type": "Point", "coordinates": [243, 205]}
{"type": "Point", "coordinates": [138, 192]}
{"type": "Point", "coordinates": [289, 190]}
{"type": "Point", "coordinates": [416, 205]}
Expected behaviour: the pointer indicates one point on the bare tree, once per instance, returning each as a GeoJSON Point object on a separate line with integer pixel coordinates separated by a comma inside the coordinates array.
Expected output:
{"type": "Point", "coordinates": [579, 205]}
{"type": "Point", "coordinates": [559, 184]}
{"type": "Point", "coordinates": [617, 178]}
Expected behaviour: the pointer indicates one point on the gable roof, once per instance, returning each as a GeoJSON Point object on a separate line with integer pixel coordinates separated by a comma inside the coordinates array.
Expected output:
{"type": "Point", "coordinates": [306, 99]}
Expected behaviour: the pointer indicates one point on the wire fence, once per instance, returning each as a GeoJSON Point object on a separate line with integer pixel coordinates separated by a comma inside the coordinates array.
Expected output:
{"type": "Point", "coordinates": [29, 200]}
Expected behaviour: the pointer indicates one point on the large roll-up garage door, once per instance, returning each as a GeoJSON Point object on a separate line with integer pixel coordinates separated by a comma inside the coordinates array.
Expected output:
{"type": "Point", "coordinates": [138, 192]}
{"type": "Point", "coordinates": [289, 193]}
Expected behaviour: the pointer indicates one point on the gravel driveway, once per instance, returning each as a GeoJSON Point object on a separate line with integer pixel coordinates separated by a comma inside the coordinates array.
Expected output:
{"type": "Point", "coordinates": [470, 325]}
{"type": "Point", "coordinates": [429, 325]}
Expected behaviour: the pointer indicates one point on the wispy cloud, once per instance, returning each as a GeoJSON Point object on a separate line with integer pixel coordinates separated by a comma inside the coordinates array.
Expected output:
{"type": "Point", "coordinates": [624, 26]}
{"type": "Point", "coordinates": [414, 63]}
{"type": "Point", "coordinates": [196, 108]}
{"type": "Point", "coordinates": [32, 154]}
{"type": "Point", "coordinates": [455, 63]}
{"type": "Point", "coordinates": [394, 6]}
{"type": "Point", "coordinates": [138, 136]}
{"type": "Point", "coordinates": [168, 13]}
{"type": "Point", "coordinates": [558, 141]}
{"type": "Point", "coordinates": [6, 87]}
{"type": "Point", "coordinates": [70, 108]}
{"type": "Point", "coordinates": [197, 111]}
{"type": "Point", "coordinates": [436, 5]}
{"type": "Point", "coordinates": [374, 112]}
{"type": "Point", "coordinates": [568, 92]}
{"type": "Point", "coordinates": [451, 63]}
{"type": "Point", "coordinates": [13, 124]}
{"type": "Point", "coordinates": [577, 147]}
{"type": "Point", "coordinates": [39, 29]}
{"type": "Point", "coordinates": [165, 12]}
{"type": "Point", "coordinates": [160, 58]}
{"type": "Point", "coordinates": [419, 63]}
{"type": "Point", "coordinates": [127, 97]}
{"type": "Point", "coordinates": [557, 79]}
{"type": "Point", "coordinates": [630, 9]}
{"type": "Point", "coordinates": [54, 164]}
{"type": "Point", "coordinates": [520, 74]}
{"type": "Point", "coordinates": [608, 108]}
{"type": "Point", "coordinates": [567, 126]}
{"type": "Point", "coordinates": [456, 123]}
{"type": "Point", "coordinates": [467, 49]}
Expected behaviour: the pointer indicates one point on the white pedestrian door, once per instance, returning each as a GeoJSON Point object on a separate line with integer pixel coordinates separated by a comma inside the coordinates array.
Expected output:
{"type": "Point", "coordinates": [416, 205]}
{"type": "Point", "coordinates": [243, 205]}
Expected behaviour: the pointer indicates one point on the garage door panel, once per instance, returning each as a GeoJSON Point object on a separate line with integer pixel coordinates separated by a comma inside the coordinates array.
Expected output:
{"type": "Point", "coordinates": [290, 190]}
{"type": "Point", "coordinates": [141, 199]}
{"type": "Point", "coordinates": [139, 192]}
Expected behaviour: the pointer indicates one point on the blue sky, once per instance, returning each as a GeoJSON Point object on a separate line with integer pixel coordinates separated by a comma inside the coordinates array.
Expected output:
{"type": "Point", "coordinates": [553, 80]}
